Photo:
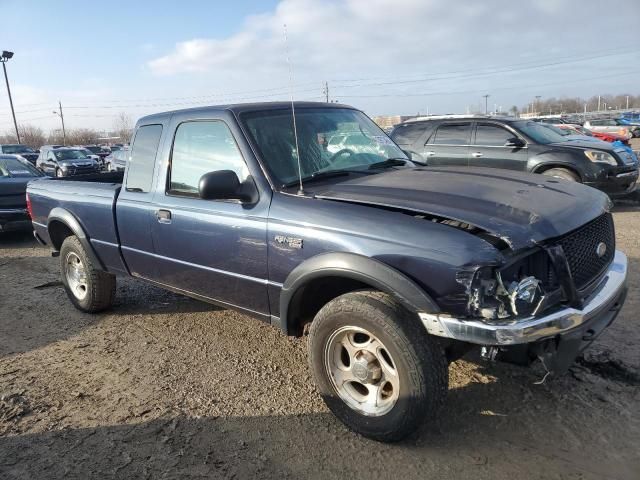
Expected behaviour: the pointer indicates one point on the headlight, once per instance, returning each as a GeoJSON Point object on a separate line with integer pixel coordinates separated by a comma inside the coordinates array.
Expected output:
{"type": "Point", "coordinates": [515, 290]}
{"type": "Point", "coordinates": [600, 157]}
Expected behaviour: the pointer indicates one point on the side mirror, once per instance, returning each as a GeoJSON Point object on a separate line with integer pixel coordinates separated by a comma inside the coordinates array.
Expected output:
{"type": "Point", "coordinates": [515, 142]}
{"type": "Point", "coordinates": [225, 185]}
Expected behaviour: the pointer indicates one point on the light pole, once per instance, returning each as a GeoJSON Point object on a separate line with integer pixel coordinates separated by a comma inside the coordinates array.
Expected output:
{"type": "Point", "coordinates": [5, 57]}
{"type": "Point", "coordinates": [537, 105]}
{"type": "Point", "coordinates": [64, 134]}
{"type": "Point", "coordinates": [486, 108]}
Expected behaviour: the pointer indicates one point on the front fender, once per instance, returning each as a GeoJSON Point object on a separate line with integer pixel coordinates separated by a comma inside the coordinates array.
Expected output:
{"type": "Point", "coordinates": [59, 214]}
{"type": "Point", "coordinates": [356, 267]}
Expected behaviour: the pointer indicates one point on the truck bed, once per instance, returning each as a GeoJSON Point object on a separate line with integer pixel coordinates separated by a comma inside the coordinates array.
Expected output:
{"type": "Point", "coordinates": [90, 200]}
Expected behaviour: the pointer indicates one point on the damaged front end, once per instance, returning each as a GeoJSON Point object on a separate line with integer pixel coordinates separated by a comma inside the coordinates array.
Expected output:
{"type": "Point", "coordinates": [525, 286]}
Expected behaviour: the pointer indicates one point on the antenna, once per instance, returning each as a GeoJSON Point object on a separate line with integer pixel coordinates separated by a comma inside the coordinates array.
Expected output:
{"type": "Point", "coordinates": [293, 110]}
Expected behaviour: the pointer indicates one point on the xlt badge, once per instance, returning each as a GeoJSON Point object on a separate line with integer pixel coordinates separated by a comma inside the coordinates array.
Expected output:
{"type": "Point", "coordinates": [292, 242]}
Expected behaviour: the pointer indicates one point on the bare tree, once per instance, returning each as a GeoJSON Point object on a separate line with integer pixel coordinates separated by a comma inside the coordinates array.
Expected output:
{"type": "Point", "coordinates": [77, 136]}
{"type": "Point", "coordinates": [123, 126]}
{"type": "Point", "coordinates": [29, 135]}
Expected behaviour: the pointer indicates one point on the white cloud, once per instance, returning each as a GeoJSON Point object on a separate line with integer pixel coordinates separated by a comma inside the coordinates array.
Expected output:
{"type": "Point", "coordinates": [364, 39]}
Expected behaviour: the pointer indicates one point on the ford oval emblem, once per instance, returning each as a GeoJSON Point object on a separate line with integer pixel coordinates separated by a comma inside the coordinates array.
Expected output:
{"type": "Point", "coordinates": [601, 249]}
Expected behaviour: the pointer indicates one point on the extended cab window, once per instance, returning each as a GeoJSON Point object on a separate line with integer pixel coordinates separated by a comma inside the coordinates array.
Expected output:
{"type": "Point", "coordinates": [143, 158]}
{"type": "Point", "coordinates": [452, 134]}
{"type": "Point", "coordinates": [199, 148]}
{"type": "Point", "coordinates": [492, 135]}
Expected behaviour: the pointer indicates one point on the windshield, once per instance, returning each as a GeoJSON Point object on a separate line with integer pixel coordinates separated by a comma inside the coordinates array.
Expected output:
{"type": "Point", "coordinates": [16, 149]}
{"type": "Point", "coordinates": [94, 149]}
{"type": "Point", "coordinates": [12, 167]}
{"type": "Point", "coordinates": [539, 133]}
{"type": "Point", "coordinates": [70, 154]}
{"type": "Point", "coordinates": [329, 139]}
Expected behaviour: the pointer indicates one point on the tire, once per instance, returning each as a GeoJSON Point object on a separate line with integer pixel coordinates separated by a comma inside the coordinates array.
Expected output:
{"type": "Point", "coordinates": [416, 391]}
{"type": "Point", "coordinates": [562, 173]}
{"type": "Point", "coordinates": [89, 289]}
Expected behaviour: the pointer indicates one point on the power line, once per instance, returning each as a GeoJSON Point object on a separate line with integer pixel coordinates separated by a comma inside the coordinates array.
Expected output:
{"type": "Point", "coordinates": [514, 87]}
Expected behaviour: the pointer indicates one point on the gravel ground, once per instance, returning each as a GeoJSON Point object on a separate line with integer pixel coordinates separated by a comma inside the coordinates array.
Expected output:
{"type": "Point", "coordinates": [163, 386]}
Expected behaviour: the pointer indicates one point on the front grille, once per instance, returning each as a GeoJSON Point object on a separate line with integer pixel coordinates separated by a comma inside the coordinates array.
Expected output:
{"type": "Point", "coordinates": [581, 249]}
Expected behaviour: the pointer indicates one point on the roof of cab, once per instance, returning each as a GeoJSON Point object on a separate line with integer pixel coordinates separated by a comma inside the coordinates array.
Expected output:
{"type": "Point", "coordinates": [238, 108]}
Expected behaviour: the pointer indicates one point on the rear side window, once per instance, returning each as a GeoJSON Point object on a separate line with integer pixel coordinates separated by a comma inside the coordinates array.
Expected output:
{"type": "Point", "coordinates": [492, 135]}
{"type": "Point", "coordinates": [199, 148]}
{"type": "Point", "coordinates": [408, 134]}
{"type": "Point", "coordinates": [143, 158]}
{"type": "Point", "coordinates": [452, 134]}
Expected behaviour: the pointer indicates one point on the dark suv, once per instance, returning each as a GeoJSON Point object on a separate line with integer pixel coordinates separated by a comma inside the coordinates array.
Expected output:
{"type": "Point", "coordinates": [516, 144]}
{"type": "Point", "coordinates": [25, 152]}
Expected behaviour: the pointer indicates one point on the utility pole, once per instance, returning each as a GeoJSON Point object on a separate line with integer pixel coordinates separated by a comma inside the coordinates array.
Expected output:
{"type": "Point", "coordinates": [325, 90]}
{"type": "Point", "coordinates": [5, 57]}
{"type": "Point", "coordinates": [60, 114]}
{"type": "Point", "coordinates": [486, 99]}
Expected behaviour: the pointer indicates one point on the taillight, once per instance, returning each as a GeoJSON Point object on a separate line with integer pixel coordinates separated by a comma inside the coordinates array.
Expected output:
{"type": "Point", "coordinates": [29, 210]}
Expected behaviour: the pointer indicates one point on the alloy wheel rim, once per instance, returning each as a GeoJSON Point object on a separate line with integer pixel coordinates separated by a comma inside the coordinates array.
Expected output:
{"type": "Point", "coordinates": [362, 371]}
{"type": "Point", "coordinates": [76, 276]}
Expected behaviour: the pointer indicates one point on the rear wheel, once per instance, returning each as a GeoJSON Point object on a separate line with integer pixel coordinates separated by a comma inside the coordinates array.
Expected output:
{"type": "Point", "coordinates": [375, 366]}
{"type": "Point", "coordinates": [88, 288]}
{"type": "Point", "coordinates": [562, 173]}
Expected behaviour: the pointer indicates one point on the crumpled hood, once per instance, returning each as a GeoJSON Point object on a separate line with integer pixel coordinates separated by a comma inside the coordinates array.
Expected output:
{"type": "Point", "coordinates": [522, 209]}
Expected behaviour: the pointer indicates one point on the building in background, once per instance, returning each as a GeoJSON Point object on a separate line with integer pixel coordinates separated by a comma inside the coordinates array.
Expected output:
{"type": "Point", "coordinates": [387, 122]}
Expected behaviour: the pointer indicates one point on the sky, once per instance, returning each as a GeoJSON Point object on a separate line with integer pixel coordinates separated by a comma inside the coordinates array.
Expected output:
{"type": "Point", "coordinates": [382, 56]}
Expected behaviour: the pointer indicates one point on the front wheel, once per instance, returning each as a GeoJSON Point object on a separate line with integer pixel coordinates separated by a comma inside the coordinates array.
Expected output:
{"type": "Point", "coordinates": [562, 173]}
{"type": "Point", "coordinates": [375, 366]}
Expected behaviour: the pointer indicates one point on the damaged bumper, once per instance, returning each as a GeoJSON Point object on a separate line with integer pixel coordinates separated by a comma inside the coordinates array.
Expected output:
{"type": "Point", "coordinates": [601, 307]}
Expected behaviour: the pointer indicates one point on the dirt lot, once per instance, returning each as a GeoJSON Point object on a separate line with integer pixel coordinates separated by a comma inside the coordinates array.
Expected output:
{"type": "Point", "coordinates": [166, 387]}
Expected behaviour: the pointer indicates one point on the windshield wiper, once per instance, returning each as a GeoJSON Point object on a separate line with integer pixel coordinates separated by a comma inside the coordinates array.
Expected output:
{"type": "Point", "coordinates": [391, 162]}
{"type": "Point", "coordinates": [321, 176]}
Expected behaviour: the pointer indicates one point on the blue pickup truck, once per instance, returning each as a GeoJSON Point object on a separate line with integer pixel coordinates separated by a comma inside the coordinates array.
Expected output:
{"type": "Point", "coordinates": [391, 269]}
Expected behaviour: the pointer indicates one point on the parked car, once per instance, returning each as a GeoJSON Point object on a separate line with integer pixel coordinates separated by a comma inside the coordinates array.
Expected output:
{"type": "Point", "coordinates": [25, 152]}
{"type": "Point", "coordinates": [516, 144]}
{"type": "Point", "coordinates": [609, 125]}
{"type": "Point", "coordinates": [117, 161]}
{"type": "Point", "coordinates": [604, 136]}
{"type": "Point", "coordinates": [15, 172]}
{"type": "Point", "coordinates": [393, 269]}
{"type": "Point", "coordinates": [65, 161]}
{"type": "Point", "coordinates": [89, 154]}
{"type": "Point", "coordinates": [633, 125]}
{"type": "Point", "coordinates": [97, 150]}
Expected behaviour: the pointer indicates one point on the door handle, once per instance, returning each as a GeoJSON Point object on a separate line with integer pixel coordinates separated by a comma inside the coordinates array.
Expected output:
{"type": "Point", "coordinates": [163, 216]}
{"type": "Point", "coordinates": [430, 154]}
{"type": "Point", "coordinates": [476, 154]}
